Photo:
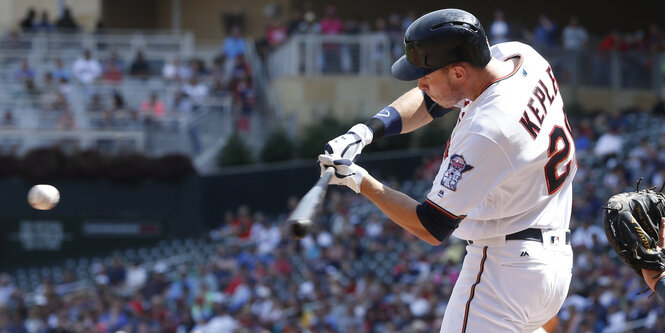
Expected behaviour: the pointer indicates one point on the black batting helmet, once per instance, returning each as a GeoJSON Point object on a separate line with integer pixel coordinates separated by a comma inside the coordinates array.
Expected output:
{"type": "Point", "coordinates": [441, 38]}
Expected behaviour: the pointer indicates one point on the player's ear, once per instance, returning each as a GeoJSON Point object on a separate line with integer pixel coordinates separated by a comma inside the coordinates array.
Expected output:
{"type": "Point", "coordinates": [457, 72]}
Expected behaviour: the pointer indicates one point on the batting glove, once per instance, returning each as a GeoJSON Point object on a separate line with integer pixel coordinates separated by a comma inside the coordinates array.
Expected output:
{"type": "Point", "coordinates": [346, 172]}
{"type": "Point", "coordinates": [349, 145]}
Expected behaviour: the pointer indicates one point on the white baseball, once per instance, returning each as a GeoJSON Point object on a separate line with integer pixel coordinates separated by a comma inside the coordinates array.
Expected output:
{"type": "Point", "coordinates": [43, 197]}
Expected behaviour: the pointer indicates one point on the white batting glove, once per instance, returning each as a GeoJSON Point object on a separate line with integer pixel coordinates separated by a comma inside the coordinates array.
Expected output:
{"type": "Point", "coordinates": [346, 172]}
{"type": "Point", "coordinates": [349, 145]}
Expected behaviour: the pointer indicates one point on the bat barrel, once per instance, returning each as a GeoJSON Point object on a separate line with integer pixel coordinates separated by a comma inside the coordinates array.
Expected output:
{"type": "Point", "coordinates": [301, 218]}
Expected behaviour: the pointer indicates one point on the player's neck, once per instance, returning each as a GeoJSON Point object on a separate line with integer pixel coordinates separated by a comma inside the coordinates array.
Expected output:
{"type": "Point", "coordinates": [495, 70]}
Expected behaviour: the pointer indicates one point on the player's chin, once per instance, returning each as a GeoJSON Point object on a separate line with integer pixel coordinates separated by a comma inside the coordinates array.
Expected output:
{"type": "Point", "coordinates": [445, 103]}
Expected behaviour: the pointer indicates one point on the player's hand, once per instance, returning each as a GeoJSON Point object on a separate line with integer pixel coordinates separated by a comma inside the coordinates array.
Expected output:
{"type": "Point", "coordinates": [346, 172]}
{"type": "Point", "coordinates": [350, 144]}
{"type": "Point", "coordinates": [651, 277]}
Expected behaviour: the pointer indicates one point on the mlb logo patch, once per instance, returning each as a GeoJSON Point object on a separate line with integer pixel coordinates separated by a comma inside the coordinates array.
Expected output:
{"type": "Point", "coordinates": [453, 174]}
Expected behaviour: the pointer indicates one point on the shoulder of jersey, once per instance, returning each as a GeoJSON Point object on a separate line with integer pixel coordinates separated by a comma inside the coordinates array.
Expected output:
{"type": "Point", "coordinates": [507, 49]}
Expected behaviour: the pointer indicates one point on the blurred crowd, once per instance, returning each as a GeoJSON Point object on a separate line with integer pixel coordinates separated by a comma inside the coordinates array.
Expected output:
{"type": "Point", "coordinates": [356, 271]}
{"type": "Point", "coordinates": [117, 93]}
{"type": "Point", "coordinates": [108, 89]}
{"type": "Point", "coordinates": [102, 83]}
{"type": "Point", "coordinates": [569, 47]}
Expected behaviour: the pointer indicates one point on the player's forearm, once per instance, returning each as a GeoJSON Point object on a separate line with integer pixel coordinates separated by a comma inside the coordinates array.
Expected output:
{"type": "Point", "coordinates": [398, 206]}
{"type": "Point", "coordinates": [412, 110]}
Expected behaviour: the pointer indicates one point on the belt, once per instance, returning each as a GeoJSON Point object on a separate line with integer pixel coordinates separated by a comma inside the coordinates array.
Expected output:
{"type": "Point", "coordinates": [533, 234]}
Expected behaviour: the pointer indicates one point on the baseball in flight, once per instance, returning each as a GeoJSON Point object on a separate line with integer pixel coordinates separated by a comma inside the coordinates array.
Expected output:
{"type": "Point", "coordinates": [43, 197]}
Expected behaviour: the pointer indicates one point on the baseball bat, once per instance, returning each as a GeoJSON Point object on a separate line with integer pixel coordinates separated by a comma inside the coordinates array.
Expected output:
{"type": "Point", "coordinates": [300, 220]}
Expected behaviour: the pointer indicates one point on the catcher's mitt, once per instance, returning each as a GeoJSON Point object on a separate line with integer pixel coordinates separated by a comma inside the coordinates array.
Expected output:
{"type": "Point", "coordinates": [632, 221]}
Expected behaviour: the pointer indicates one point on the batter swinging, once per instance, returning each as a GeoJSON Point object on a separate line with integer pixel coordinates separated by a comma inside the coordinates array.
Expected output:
{"type": "Point", "coordinates": [505, 183]}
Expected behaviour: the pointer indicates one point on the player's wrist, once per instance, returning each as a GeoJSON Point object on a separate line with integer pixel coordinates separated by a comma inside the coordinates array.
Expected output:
{"type": "Point", "coordinates": [387, 122]}
{"type": "Point", "coordinates": [365, 133]}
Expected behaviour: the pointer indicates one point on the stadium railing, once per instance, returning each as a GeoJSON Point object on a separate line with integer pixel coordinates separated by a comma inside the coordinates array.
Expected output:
{"type": "Point", "coordinates": [311, 55]}
{"type": "Point", "coordinates": [372, 54]}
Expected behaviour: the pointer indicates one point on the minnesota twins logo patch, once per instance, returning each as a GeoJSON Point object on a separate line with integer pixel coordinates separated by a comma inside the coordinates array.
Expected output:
{"type": "Point", "coordinates": [453, 174]}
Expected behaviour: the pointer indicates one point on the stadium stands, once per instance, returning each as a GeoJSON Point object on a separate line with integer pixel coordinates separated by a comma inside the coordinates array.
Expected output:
{"type": "Point", "coordinates": [357, 272]}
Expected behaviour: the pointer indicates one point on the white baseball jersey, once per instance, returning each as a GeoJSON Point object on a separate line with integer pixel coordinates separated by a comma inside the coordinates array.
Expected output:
{"type": "Point", "coordinates": [510, 160]}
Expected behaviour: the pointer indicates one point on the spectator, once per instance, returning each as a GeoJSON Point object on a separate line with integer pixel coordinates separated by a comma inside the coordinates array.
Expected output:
{"type": "Point", "coordinates": [242, 224]}
{"type": "Point", "coordinates": [641, 159]}
{"type": "Point", "coordinates": [239, 70]}
{"type": "Point", "coordinates": [112, 73]}
{"type": "Point", "coordinates": [44, 24]}
{"type": "Point", "coordinates": [116, 272]}
{"type": "Point", "coordinates": [584, 235]}
{"type": "Point", "coordinates": [331, 24]}
{"type": "Point", "coordinates": [608, 145]}
{"type": "Point", "coordinates": [655, 38]}
{"type": "Point", "coordinates": [59, 72]}
{"type": "Point", "coordinates": [245, 96]}
{"type": "Point", "coordinates": [408, 19]}
{"type": "Point", "coordinates": [218, 88]}
{"type": "Point", "coordinates": [612, 41]}
{"type": "Point", "coordinates": [197, 67]}
{"type": "Point", "coordinates": [182, 103]}
{"type": "Point", "coordinates": [136, 277]}
{"type": "Point", "coordinates": [175, 71]}
{"type": "Point", "coordinates": [218, 70]}
{"type": "Point", "coordinates": [119, 114]}
{"type": "Point", "coordinates": [24, 73]}
{"type": "Point", "coordinates": [140, 67]}
{"type": "Point", "coordinates": [499, 29]}
{"type": "Point", "coordinates": [49, 83]}
{"type": "Point", "coordinates": [197, 91]}
{"type": "Point", "coordinates": [575, 36]}
{"type": "Point", "coordinates": [7, 288]}
{"type": "Point", "coordinates": [234, 44]}
{"type": "Point", "coordinates": [545, 34]}
{"type": "Point", "coordinates": [115, 60]}
{"type": "Point", "coordinates": [296, 22]}
{"type": "Point", "coordinates": [276, 33]}
{"type": "Point", "coordinates": [8, 121]}
{"type": "Point", "coordinates": [66, 22]}
{"type": "Point", "coordinates": [222, 322]}
{"type": "Point", "coordinates": [152, 108]}
{"type": "Point", "coordinates": [49, 91]}
{"type": "Point", "coordinates": [28, 23]}
{"type": "Point", "coordinates": [30, 90]}
{"type": "Point", "coordinates": [12, 41]}
{"type": "Point", "coordinates": [86, 69]}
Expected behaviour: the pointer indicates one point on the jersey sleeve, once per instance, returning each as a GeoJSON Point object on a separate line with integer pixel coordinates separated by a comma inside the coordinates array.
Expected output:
{"type": "Point", "coordinates": [471, 169]}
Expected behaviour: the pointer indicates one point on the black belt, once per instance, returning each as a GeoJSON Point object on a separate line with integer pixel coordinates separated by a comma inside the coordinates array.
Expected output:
{"type": "Point", "coordinates": [532, 234]}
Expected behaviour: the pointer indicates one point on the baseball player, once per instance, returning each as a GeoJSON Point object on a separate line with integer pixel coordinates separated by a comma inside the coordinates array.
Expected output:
{"type": "Point", "coordinates": [505, 183]}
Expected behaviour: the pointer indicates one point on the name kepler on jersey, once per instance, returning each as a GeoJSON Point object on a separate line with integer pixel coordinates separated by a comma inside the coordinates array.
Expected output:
{"type": "Point", "coordinates": [542, 94]}
{"type": "Point", "coordinates": [453, 174]}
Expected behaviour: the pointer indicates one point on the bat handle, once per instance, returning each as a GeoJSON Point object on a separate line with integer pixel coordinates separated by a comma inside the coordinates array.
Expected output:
{"type": "Point", "coordinates": [327, 174]}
